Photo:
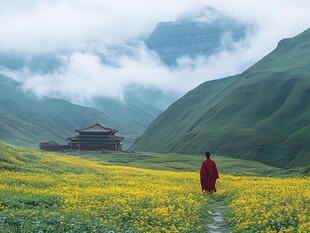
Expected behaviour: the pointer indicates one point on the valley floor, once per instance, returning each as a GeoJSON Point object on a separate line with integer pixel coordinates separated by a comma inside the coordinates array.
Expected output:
{"type": "Point", "coordinates": [48, 192]}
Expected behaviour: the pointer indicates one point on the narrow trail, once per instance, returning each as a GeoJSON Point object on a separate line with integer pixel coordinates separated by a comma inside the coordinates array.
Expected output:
{"type": "Point", "coordinates": [218, 224]}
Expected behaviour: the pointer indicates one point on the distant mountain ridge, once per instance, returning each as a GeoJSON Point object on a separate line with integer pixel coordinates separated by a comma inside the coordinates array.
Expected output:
{"type": "Point", "coordinates": [26, 120]}
{"type": "Point", "coordinates": [262, 114]}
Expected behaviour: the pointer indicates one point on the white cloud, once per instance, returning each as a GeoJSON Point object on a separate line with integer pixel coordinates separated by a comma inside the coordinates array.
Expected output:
{"type": "Point", "coordinates": [85, 29]}
{"type": "Point", "coordinates": [36, 26]}
{"type": "Point", "coordinates": [275, 19]}
{"type": "Point", "coordinates": [84, 76]}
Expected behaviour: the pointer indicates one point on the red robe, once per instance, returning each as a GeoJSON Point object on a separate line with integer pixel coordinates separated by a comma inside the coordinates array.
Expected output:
{"type": "Point", "coordinates": [208, 175]}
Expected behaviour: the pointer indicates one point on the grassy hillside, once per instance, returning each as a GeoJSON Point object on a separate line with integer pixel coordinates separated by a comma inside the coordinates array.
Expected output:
{"type": "Point", "coordinates": [26, 120]}
{"type": "Point", "coordinates": [262, 114]}
{"type": "Point", "coordinates": [48, 192]}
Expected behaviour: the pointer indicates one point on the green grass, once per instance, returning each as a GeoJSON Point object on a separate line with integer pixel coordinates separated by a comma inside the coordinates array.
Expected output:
{"type": "Point", "coordinates": [185, 162]}
{"type": "Point", "coordinates": [262, 114]}
{"type": "Point", "coordinates": [148, 160]}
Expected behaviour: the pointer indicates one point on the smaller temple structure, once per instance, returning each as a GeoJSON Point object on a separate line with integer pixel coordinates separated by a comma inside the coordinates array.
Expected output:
{"type": "Point", "coordinates": [95, 137]}
{"type": "Point", "coordinates": [53, 146]}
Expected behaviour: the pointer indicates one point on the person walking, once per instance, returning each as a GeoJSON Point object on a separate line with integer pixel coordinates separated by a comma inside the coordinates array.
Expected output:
{"type": "Point", "coordinates": [208, 174]}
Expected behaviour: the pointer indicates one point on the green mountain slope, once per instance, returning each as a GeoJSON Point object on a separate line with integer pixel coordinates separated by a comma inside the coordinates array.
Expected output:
{"type": "Point", "coordinates": [262, 114]}
{"type": "Point", "coordinates": [26, 120]}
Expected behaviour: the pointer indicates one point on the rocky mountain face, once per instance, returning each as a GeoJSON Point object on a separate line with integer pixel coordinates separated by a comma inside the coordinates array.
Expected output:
{"type": "Point", "coordinates": [201, 35]}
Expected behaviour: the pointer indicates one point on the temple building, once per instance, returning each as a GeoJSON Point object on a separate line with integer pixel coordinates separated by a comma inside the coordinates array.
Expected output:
{"type": "Point", "coordinates": [95, 137]}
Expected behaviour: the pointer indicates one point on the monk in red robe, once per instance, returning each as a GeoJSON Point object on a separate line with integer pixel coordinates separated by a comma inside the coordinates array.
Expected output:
{"type": "Point", "coordinates": [208, 174]}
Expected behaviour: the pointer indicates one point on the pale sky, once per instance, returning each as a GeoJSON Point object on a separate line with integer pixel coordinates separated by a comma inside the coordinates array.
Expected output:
{"type": "Point", "coordinates": [75, 31]}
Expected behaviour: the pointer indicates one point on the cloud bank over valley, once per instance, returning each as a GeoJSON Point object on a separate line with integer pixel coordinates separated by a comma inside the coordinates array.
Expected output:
{"type": "Point", "coordinates": [78, 50]}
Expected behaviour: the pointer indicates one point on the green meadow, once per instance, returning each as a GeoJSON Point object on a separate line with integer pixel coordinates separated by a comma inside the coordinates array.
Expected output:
{"type": "Point", "coordinates": [185, 162]}
{"type": "Point", "coordinates": [145, 192]}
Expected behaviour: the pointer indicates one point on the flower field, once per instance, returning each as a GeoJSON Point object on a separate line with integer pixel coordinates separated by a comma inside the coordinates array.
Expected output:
{"type": "Point", "coordinates": [259, 204]}
{"type": "Point", "coordinates": [46, 192]}
{"type": "Point", "coordinates": [52, 193]}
